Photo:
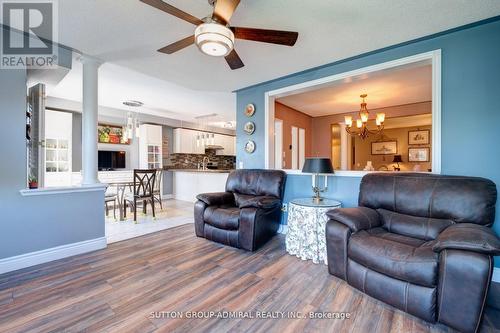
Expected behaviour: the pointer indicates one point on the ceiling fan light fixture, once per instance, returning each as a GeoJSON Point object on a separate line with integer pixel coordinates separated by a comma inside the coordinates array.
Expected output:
{"type": "Point", "coordinates": [214, 39]}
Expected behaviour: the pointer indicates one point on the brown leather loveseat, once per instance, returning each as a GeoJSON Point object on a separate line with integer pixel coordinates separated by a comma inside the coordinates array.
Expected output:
{"type": "Point", "coordinates": [419, 242]}
{"type": "Point", "coordinates": [247, 215]}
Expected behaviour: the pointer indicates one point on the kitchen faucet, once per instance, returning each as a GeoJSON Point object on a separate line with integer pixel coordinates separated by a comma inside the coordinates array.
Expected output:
{"type": "Point", "coordinates": [205, 162]}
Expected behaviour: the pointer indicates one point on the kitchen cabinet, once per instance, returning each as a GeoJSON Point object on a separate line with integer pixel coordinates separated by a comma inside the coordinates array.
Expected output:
{"type": "Point", "coordinates": [188, 184]}
{"type": "Point", "coordinates": [186, 142]}
{"type": "Point", "coordinates": [229, 145]}
{"type": "Point", "coordinates": [150, 146]}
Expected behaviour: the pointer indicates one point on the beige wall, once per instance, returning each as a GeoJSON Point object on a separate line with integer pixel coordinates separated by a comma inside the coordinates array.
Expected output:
{"type": "Point", "coordinates": [292, 117]}
{"type": "Point", "coordinates": [363, 150]}
{"type": "Point", "coordinates": [321, 126]}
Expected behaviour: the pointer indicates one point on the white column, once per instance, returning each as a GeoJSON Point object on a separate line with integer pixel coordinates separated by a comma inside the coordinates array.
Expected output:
{"type": "Point", "coordinates": [344, 147]}
{"type": "Point", "coordinates": [89, 120]}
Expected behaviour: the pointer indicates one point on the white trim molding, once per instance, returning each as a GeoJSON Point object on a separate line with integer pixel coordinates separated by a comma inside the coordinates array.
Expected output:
{"type": "Point", "coordinates": [283, 228]}
{"type": "Point", "coordinates": [55, 253]}
{"type": "Point", "coordinates": [61, 190]}
{"type": "Point", "coordinates": [496, 275]}
{"type": "Point", "coordinates": [432, 57]}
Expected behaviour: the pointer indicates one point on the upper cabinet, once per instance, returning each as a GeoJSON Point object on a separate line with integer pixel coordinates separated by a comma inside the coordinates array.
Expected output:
{"type": "Point", "coordinates": [188, 141]}
{"type": "Point", "coordinates": [150, 146]}
{"type": "Point", "coordinates": [229, 144]}
{"type": "Point", "coordinates": [185, 142]}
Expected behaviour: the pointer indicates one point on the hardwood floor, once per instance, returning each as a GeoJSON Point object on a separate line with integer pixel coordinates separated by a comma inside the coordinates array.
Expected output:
{"type": "Point", "coordinates": [117, 290]}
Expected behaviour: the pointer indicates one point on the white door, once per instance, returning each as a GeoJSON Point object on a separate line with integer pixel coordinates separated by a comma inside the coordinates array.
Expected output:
{"type": "Point", "coordinates": [278, 143]}
{"type": "Point", "coordinates": [302, 147]}
{"type": "Point", "coordinates": [295, 148]}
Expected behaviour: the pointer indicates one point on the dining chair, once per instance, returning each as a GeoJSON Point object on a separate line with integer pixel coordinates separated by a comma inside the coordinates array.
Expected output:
{"type": "Point", "coordinates": [110, 198]}
{"type": "Point", "coordinates": [157, 188]}
{"type": "Point", "coordinates": [144, 184]}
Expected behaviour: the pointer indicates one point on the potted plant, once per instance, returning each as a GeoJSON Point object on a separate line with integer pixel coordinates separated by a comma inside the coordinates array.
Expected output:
{"type": "Point", "coordinates": [32, 182]}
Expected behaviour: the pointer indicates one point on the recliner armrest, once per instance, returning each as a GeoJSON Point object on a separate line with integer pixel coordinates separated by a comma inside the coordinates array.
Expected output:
{"type": "Point", "coordinates": [264, 202]}
{"type": "Point", "coordinates": [468, 237]}
{"type": "Point", "coordinates": [356, 219]}
{"type": "Point", "coordinates": [216, 199]}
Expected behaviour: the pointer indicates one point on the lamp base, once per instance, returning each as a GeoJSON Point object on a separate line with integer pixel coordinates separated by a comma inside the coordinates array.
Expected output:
{"type": "Point", "coordinates": [317, 200]}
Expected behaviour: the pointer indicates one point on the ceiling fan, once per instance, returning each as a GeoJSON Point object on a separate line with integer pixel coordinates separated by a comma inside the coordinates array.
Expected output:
{"type": "Point", "coordinates": [215, 37]}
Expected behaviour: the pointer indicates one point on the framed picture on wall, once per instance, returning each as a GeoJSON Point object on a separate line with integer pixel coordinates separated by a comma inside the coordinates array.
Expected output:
{"type": "Point", "coordinates": [111, 134]}
{"type": "Point", "coordinates": [385, 148]}
{"type": "Point", "coordinates": [420, 137]}
{"type": "Point", "coordinates": [418, 154]}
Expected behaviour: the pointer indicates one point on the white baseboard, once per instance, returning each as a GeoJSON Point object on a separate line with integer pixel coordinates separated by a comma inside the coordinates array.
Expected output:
{"type": "Point", "coordinates": [496, 275]}
{"type": "Point", "coordinates": [167, 196]}
{"type": "Point", "coordinates": [282, 229]}
{"type": "Point", "coordinates": [55, 253]}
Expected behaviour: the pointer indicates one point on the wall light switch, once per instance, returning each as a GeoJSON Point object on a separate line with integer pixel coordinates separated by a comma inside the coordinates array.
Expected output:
{"type": "Point", "coordinates": [240, 165]}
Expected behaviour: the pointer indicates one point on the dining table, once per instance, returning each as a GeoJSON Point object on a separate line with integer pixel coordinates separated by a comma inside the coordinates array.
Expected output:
{"type": "Point", "coordinates": [121, 188]}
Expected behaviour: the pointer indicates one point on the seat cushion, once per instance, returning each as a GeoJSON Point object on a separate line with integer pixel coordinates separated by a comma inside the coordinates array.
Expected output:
{"type": "Point", "coordinates": [401, 257]}
{"type": "Point", "coordinates": [223, 217]}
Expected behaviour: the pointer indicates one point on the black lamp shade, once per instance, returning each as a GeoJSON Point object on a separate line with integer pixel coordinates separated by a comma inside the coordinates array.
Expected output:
{"type": "Point", "coordinates": [318, 165]}
{"type": "Point", "coordinates": [397, 159]}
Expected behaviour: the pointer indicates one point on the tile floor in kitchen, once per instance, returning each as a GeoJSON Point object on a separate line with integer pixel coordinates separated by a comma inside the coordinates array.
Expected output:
{"type": "Point", "coordinates": [174, 213]}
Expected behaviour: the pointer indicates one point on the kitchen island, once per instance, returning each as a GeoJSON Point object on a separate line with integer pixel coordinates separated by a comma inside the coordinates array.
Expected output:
{"type": "Point", "coordinates": [188, 183]}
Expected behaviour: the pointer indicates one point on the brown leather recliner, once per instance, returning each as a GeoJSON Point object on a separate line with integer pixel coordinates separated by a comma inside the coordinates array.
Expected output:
{"type": "Point", "coordinates": [419, 242]}
{"type": "Point", "coordinates": [247, 215]}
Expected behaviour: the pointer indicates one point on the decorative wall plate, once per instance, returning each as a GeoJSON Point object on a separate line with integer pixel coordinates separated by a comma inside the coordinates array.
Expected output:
{"type": "Point", "coordinates": [250, 110]}
{"type": "Point", "coordinates": [249, 127]}
{"type": "Point", "coordinates": [250, 147]}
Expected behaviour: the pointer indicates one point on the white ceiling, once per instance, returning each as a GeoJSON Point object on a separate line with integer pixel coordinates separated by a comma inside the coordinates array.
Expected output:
{"type": "Point", "coordinates": [128, 33]}
{"type": "Point", "coordinates": [385, 88]}
{"type": "Point", "coordinates": [161, 98]}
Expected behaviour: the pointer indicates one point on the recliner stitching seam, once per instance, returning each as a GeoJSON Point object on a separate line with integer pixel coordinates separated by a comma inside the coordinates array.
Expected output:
{"type": "Point", "coordinates": [390, 221]}
{"type": "Point", "coordinates": [442, 287]}
{"type": "Point", "coordinates": [431, 200]}
{"type": "Point", "coordinates": [406, 297]}
{"type": "Point", "coordinates": [485, 294]}
{"type": "Point", "coordinates": [364, 279]}
{"type": "Point", "coordinates": [368, 218]}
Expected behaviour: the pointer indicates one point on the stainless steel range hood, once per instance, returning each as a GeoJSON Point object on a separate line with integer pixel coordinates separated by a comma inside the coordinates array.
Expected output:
{"type": "Point", "coordinates": [214, 147]}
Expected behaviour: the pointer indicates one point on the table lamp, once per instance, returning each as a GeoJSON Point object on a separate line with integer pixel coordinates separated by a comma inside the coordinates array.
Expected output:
{"type": "Point", "coordinates": [318, 166]}
{"type": "Point", "coordinates": [397, 159]}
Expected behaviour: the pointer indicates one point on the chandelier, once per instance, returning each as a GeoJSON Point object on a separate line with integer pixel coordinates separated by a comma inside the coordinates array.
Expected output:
{"type": "Point", "coordinates": [361, 124]}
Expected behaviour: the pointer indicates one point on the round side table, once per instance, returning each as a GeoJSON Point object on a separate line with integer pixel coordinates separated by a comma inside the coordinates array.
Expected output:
{"type": "Point", "coordinates": [305, 237]}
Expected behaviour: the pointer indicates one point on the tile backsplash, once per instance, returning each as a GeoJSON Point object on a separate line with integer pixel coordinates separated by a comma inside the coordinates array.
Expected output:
{"type": "Point", "coordinates": [190, 161]}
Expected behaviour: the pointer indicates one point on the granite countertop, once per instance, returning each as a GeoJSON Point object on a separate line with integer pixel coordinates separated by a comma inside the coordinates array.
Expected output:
{"type": "Point", "coordinates": [196, 170]}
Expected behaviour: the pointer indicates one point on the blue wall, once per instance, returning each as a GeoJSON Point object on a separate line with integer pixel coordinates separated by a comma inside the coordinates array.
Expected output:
{"type": "Point", "coordinates": [470, 110]}
{"type": "Point", "coordinates": [35, 223]}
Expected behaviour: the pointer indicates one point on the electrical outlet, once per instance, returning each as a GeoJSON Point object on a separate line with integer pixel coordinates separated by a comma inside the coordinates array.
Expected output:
{"type": "Point", "coordinates": [284, 207]}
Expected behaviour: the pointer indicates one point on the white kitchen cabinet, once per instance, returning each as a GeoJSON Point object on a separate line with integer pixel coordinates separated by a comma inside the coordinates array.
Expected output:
{"type": "Point", "coordinates": [229, 144]}
{"type": "Point", "coordinates": [185, 142]}
{"type": "Point", "coordinates": [188, 184]}
{"type": "Point", "coordinates": [150, 146]}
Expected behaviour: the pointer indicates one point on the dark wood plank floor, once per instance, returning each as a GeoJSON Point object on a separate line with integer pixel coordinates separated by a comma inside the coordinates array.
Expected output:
{"type": "Point", "coordinates": [117, 289]}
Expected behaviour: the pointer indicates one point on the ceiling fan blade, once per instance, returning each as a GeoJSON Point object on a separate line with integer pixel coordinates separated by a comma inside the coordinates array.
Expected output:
{"type": "Point", "coordinates": [234, 61]}
{"type": "Point", "coordinates": [159, 4]}
{"type": "Point", "coordinates": [266, 36]}
{"type": "Point", "coordinates": [177, 46]}
{"type": "Point", "coordinates": [224, 9]}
